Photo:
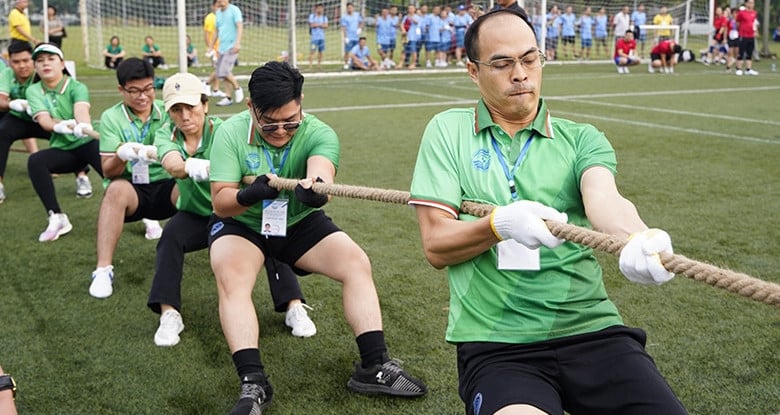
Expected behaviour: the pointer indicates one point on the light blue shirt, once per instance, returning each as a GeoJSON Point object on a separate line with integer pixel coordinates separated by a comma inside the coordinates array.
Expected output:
{"type": "Point", "coordinates": [434, 29]}
{"type": "Point", "coordinates": [567, 24]}
{"type": "Point", "coordinates": [385, 30]}
{"type": "Point", "coordinates": [601, 26]}
{"type": "Point", "coordinates": [227, 23]}
{"type": "Point", "coordinates": [639, 18]}
{"type": "Point", "coordinates": [351, 22]}
{"type": "Point", "coordinates": [586, 27]}
{"type": "Point", "coordinates": [361, 53]}
{"type": "Point", "coordinates": [317, 33]}
{"type": "Point", "coordinates": [413, 35]}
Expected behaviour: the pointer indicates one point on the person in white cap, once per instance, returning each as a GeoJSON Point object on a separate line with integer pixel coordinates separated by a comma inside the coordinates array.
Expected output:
{"type": "Point", "coordinates": [183, 148]}
{"type": "Point", "coordinates": [60, 104]}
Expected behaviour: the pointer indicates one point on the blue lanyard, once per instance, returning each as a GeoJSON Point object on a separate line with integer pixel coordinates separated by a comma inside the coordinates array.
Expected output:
{"type": "Point", "coordinates": [510, 174]}
{"type": "Point", "coordinates": [271, 163]}
{"type": "Point", "coordinates": [140, 136]}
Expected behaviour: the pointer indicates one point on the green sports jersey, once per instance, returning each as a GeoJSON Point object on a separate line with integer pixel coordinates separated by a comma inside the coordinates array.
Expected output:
{"type": "Point", "coordinates": [10, 86]}
{"type": "Point", "coordinates": [194, 197]}
{"type": "Point", "coordinates": [457, 162]}
{"type": "Point", "coordinates": [146, 49]}
{"type": "Point", "coordinates": [58, 102]}
{"type": "Point", "coordinates": [119, 125]}
{"type": "Point", "coordinates": [239, 151]}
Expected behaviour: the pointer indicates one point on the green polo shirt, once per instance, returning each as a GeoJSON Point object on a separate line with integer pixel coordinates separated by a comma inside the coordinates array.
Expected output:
{"type": "Point", "coordinates": [194, 197]}
{"type": "Point", "coordinates": [239, 151]}
{"type": "Point", "coordinates": [118, 125]}
{"type": "Point", "coordinates": [15, 90]}
{"type": "Point", "coordinates": [58, 102]}
{"type": "Point", "coordinates": [457, 161]}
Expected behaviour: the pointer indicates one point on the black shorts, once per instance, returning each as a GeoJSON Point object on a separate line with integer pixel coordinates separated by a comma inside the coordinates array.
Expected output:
{"type": "Point", "coordinates": [154, 201]}
{"type": "Point", "coordinates": [300, 237]}
{"type": "Point", "coordinates": [568, 39]}
{"type": "Point", "coordinates": [607, 373]}
{"type": "Point", "coordinates": [746, 47]}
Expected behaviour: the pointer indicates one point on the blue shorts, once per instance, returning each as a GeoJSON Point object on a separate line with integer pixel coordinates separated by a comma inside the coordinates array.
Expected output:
{"type": "Point", "coordinates": [410, 47]}
{"type": "Point", "coordinates": [318, 45]}
{"type": "Point", "coordinates": [432, 46]}
{"type": "Point", "coordinates": [387, 47]}
{"type": "Point", "coordinates": [445, 46]}
{"type": "Point", "coordinates": [586, 43]}
{"type": "Point", "coordinates": [628, 60]}
{"type": "Point", "coordinates": [349, 45]}
{"type": "Point", "coordinates": [460, 38]}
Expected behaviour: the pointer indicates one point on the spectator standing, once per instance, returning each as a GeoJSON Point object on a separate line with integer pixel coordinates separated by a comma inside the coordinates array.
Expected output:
{"type": "Point", "coordinates": [625, 52]}
{"type": "Point", "coordinates": [386, 34]}
{"type": "Point", "coordinates": [746, 25]}
{"type": "Point", "coordinates": [534, 328]}
{"type": "Point", "coordinates": [19, 24]}
{"type": "Point", "coordinates": [639, 18]}
{"type": "Point", "coordinates": [663, 18]}
{"type": "Point", "coordinates": [56, 27]}
{"type": "Point", "coordinates": [446, 33]}
{"type": "Point", "coordinates": [212, 48]}
{"type": "Point", "coordinates": [230, 29]}
{"type": "Point", "coordinates": [114, 53]}
{"type": "Point", "coordinates": [601, 32]}
{"type": "Point", "coordinates": [152, 53]}
{"type": "Point", "coordinates": [461, 22]}
{"type": "Point", "coordinates": [568, 31]}
{"type": "Point", "coordinates": [718, 49]}
{"type": "Point", "coordinates": [585, 23]}
{"type": "Point", "coordinates": [411, 33]}
{"type": "Point", "coordinates": [551, 42]}
{"type": "Point", "coordinates": [351, 27]}
{"type": "Point", "coordinates": [732, 39]}
{"type": "Point", "coordinates": [433, 26]}
{"type": "Point", "coordinates": [318, 22]}
{"type": "Point", "coordinates": [621, 22]}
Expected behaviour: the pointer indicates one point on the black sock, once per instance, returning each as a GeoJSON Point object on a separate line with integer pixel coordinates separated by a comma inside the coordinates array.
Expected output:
{"type": "Point", "coordinates": [372, 347]}
{"type": "Point", "coordinates": [247, 362]}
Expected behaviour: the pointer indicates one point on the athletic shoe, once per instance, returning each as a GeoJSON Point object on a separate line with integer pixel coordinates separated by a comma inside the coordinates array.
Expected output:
{"type": "Point", "coordinates": [738, 72]}
{"type": "Point", "coordinates": [164, 67]}
{"type": "Point", "coordinates": [650, 69]}
{"type": "Point", "coordinates": [256, 394]}
{"type": "Point", "coordinates": [153, 229]}
{"type": "Point", "coordinates": [346, 66]}
{"type": "Point", "coordinates": [751, 72]}
{"type": "Point", "coordinates": [225, 102]}
{"type": "Point", "coordinates": [460, 63]}
{"type": "Point", "coordinates": [620, 69]}
{"type": "Point", "coordinates": [2, 193]}
{"type": "Point", "coordinates": [388, 379]}
{"type": "Point", "coordinates": [625, 69]}
{"type": "Point", "coordinates": [102, 280]}
{"type": "Point", "coordinates": [239, 95]}
{"type": "Point", "coordinates": [170, 327]}
{"type": "Point", "coordinates": [83, 187]}
{"type": "Point", "coordinates": [298, 320]}
{"type": "Point", "coordinates": [58, 225]}
{"type": "Point", "coordinates": [218, 94]}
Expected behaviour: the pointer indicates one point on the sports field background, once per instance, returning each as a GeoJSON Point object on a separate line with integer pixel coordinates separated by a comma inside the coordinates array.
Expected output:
{"type": "Point", "coordinates": [698, 152]}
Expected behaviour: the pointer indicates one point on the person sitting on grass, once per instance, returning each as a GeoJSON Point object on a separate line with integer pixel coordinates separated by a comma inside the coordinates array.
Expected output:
{"type": "Point", "coordinates": [113, 53]}
{"type": "Point", "coordinates": [360, 57]}
{"type": "Point", "coordinates": [152, 53]}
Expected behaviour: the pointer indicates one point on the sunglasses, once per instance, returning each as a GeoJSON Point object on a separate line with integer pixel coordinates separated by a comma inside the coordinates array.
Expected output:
{"type": "Point", "coordinates": [288, 126]}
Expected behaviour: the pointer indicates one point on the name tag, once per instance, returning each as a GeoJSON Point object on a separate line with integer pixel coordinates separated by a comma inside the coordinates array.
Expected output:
{"type": "Point", "coordinates": [274, 217]}
{"type": "Point", "coordinates": [140, 173]}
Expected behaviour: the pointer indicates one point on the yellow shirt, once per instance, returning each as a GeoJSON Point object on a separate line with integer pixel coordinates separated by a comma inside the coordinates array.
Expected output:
{"type": "Point", "coordinates": [16, 19]}
{"type": "Point", "coordinates": [663, 20]}
{"type": "Point", "coordinates": [210, 27]}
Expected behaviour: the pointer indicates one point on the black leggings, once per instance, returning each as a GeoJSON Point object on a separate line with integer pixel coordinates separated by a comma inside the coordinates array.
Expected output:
{"type": "Point", "coordinates": [13, 128]}
{"type": "Point", "coordinates": [42, 164]}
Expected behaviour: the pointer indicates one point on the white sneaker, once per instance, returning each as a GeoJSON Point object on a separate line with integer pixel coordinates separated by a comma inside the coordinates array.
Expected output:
{"type": "Point", "coordinates": [102, 280]}
{"type": "Point", "coordinates": [83, 187]}
{"type": "Point", "coordinates": [460, 63]}
{"type": "Point", "coordinates": [225, 102]}
{"type": "Point", "coordinates": [58, 225]}
{"type": "Point", "coordinates": [153, 229]}
{"type": "Point", "coordinates": [171, 325]}
{"type": "Point", "coordinates": [2, 193]}
{"type": "Point", "coordinates": [751, 72]}
{"type": "Point", "coordinates": [164, 67]}
{"type": "Point", "coordinates": [650, 69]}
{"type": "Point", "coordinates": [620, 69]}
{"type": "Point", "coordinates": [346, 66]}
{"type": "Point", "coordinates": [298, 319]}
{"type": "Point", "coordinates": [218, 94]}
{"type": "Point", "coordinates": [738, 72]}
{"type": "Point", "coordinates": [239, 95]}
{"type": "Point", "coordinates": [625, 69]}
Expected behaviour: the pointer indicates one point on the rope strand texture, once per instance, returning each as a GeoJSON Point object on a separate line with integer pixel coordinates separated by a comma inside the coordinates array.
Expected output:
{"type": "Point", "coordinates": [738, 283]}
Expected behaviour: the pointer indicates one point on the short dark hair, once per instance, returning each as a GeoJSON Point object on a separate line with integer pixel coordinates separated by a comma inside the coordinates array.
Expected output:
{"type": "Point", "coordinates": [677, 49]}
{"type": "Point", "coordinates": [133, 68]}
{"type": "Point", "coordinates": [472, 33]}
{"type": "Point", "coordinates": [274, 85]}
{"type": "Point", "coordinates": [19, 47]}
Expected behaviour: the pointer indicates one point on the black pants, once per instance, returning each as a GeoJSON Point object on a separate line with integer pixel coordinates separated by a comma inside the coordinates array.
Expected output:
{"type": "Point", "coordinates": [112, 65]}
{"type": "Point", "coordinates": [13, 128]}
{"type": "Point", "coordinates": [188, 232]}
{"type": "Point", "coordinates": [42, 164]}
{"type": "Point", "coordinates": [155, 61]}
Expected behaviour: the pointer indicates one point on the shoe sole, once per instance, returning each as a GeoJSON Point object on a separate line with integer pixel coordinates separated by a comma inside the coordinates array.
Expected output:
{"type": "Point", "coordinates": [84, 196]}
{"type": "Point", "coordinates": [369, 389]}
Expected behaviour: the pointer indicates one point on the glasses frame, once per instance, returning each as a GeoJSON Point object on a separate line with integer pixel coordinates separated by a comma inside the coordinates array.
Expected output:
{"type": "Point", "coordinates": [542, 60]}
{"type": "Point", "coordinates": [138, 92]}
{"type": "Point", "coordinates": [272, 127]}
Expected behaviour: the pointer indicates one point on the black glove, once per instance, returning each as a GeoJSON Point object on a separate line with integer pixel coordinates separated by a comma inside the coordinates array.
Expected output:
{"type": "Point", "coordinates": [309, 197]}
{"type": "Point", "coordinates": [257, 191]}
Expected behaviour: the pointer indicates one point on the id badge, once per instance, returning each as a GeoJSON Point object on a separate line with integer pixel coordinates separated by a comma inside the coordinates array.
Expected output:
{"type": "Point", "coordinates": [140, 173]}
{"type": "Point", "coordinates": [274, 217]}
{"type": "Point", "coordinates": [513, 255]}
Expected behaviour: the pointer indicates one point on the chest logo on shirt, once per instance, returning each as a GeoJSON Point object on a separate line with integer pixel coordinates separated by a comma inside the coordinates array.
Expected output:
{"type": "Point", "coordinates": [481, 159]}
{"type": "Point", "coordinates": [252, 161]}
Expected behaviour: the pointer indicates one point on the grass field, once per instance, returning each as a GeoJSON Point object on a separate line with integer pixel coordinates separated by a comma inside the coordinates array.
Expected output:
{"type": "Point", "coordinates": [698, 152]}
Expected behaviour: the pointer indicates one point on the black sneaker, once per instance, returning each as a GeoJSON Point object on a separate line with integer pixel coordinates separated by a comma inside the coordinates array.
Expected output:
{"type": "Point", "coordinates": [388, 378]}
{"type": "Point", "coordinates": [256, 394]}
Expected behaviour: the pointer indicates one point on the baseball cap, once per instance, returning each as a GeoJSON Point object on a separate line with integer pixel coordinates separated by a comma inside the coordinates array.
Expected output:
{"type": "Point", "coordinates": [47, 48]}
{"type": "Point", "coordinates": [182, 88]}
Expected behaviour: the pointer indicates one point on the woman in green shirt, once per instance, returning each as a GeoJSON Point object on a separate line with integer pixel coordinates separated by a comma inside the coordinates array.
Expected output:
{"type": "Point", "coordinates": [114, 53]}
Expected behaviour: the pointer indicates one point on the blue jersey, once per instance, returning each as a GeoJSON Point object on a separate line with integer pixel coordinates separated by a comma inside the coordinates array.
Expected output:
{"type": "Point", "coordinates": [552, 26]}
{"type": "Point", "coordinates": [567, 24]}
{"type": "Point", "coordinates": [317, 33]}
{"type": "Point", "coordinates": [385, 30]}
{"type": "Point", "coordinates": [639, 18]}
{"type": "Point", "coordinates": [446, 31]}
{"type": "Point", "coordinates": [601, 26]}
{"type": "Point", "coordinates": [351, 24]}
{"type": "Point", "coordinates": [415, 31]}
{"type": "Point", "coordinates": [586, 27]}
{"type": "Point", "coordinates": [361, 53]}
{"type": "Point", "coordinates": [434, 26]}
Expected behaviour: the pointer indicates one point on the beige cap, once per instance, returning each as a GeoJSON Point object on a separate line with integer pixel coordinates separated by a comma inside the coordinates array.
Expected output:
{"type": "Point", "coordinates": [182, 88]}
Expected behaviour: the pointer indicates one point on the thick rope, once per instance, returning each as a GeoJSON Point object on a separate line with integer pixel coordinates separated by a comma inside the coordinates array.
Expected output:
{"type": "Point", "coordinates": [742, 284]}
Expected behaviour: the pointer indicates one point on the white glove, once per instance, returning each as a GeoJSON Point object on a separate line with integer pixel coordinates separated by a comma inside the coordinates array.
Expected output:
{"type": "Point", "coordinates": [28, 110]}
{"type": "Point", "coordinates": [523, 222]}
{"type": "Point", "coordinates": [82, 129]}
{"type": "Point", "coordinates": [65, 127]}
{"type": "Point", "coordinates": [639, 260]}
{"type": "Point", "coordinates": [129, 151]}
{"type": "Point", "coordinates": [18, 105]}
{"type": "Point", "coordinates": [210, 53]}
{"type": "Point", "coordinates": [197, 169]}
{"type": "Point", "coordinates": [147, 154]}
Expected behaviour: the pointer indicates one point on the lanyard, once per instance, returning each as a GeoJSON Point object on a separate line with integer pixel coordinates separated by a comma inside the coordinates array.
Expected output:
{"type": "Point", "coordinates": [510, 174]}
{"type": "Point", "coordinates": [140, 136]}
{"type": "Point", "coordinates": [271, 163]}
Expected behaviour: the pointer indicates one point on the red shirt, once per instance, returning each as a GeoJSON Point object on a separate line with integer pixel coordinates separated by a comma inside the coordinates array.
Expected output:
{"type": "Point", "coordinates": [625, 46]}
{"type": "Point", "coordinates": [721, 22]}
{"type": "Point", "coordinates": [745, 21]}
{"type": "Point", "coordinates": [663, 48]}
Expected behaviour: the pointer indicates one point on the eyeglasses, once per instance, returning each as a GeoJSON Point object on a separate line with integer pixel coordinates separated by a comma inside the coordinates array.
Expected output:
{"type": "Point", "coordinates": [137, 92]}
{"type": "Point", "coordinates": [533, 60]}
{"type": "Point", "coordinates": [288, 126]}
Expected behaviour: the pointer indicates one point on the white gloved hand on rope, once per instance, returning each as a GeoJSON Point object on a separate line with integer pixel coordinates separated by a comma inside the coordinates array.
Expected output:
{"type": "Point", "coordinates": [65, 127]}
{"type": "Point", "coordinates": [82, 129]}
{"type": "Point", "coordinates": [147, 154]}
{"type": "Point", "coordinates": [197, 169]}
{"type": "Point", "coordinates": [129, 151]}
{"type": "Point", "coordinates": [523, 221]}
{"type": "Point", "coordinates": [18, 105]}
{"type": "Point", "coordinates": [639, 259]}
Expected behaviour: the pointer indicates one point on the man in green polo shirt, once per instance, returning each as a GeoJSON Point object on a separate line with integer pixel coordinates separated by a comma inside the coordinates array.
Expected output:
{"type": "Point", "coordinates": [275, 137]}
{"type": "Point", "coordinates": [137, 185]}
{"type": "Point", "coordinates": [534, 328]}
